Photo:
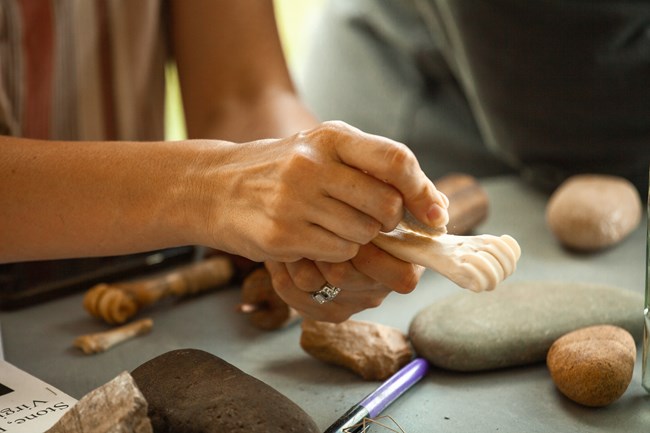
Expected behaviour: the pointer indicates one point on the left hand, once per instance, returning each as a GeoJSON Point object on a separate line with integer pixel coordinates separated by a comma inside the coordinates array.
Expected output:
{"type": "Point", "coordinates": [365, 281]}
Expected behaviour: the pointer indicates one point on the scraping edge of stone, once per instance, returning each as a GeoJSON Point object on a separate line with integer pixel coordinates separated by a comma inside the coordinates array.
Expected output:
{"type": "Point", "coordinates": [477, 263]}
{"type": "Point", "coordinates": [117, 406]}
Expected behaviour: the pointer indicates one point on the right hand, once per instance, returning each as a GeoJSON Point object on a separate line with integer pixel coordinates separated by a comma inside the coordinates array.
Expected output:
{"type": "Point", "coordinates": [317, 195]}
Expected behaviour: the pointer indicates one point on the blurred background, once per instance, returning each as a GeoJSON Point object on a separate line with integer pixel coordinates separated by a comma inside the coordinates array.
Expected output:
{"type": "Point", "coordinates": [293, 18]}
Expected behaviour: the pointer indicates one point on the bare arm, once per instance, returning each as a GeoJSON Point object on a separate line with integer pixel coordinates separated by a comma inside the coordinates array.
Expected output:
{"type": "Point", "coordinates": [317, 195]}
{"type": "Point", "coordinates": [233, 75]}
{"type": "Point", "coordinates": [236, 86]}
{"type": "Point", "coordinates": [71, 199]}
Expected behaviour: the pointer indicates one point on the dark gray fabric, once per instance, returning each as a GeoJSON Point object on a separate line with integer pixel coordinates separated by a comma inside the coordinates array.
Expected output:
{"type": "Point", "coordinates": [556, 87]}
{"type": "Point", "coordinates": [374, 65]}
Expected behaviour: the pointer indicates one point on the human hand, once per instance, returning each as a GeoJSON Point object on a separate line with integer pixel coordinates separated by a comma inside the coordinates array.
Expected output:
{"type": "Point", "coordinates": [318, 195]}
{"type": "Point", "coordinates": [365, 281]}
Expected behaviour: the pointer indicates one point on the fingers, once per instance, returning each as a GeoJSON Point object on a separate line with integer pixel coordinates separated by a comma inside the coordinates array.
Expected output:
{"type": "Point", "coordinates": [347, 222]}
{"type": "Point", "coordinates": [365, 193]}
{"type": "Point", "coordinates": [319, 195]}
{"type": "Point", "coordinates": [402, 277]}
{"type": "Point", "coordinates": [395, 164]}
{"type": "Point", "coordinates": [295, 282]}
{"type": "Point", "coordinates": [293, 242]}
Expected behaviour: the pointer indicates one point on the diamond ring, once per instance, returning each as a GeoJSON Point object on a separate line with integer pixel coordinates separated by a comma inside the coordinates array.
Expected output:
{"type": "Point", "coordinates": [325, 293]}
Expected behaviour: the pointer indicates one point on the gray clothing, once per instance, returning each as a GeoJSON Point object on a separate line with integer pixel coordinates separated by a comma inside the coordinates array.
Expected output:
{"type": "Point", "coordinates": [549, 89]}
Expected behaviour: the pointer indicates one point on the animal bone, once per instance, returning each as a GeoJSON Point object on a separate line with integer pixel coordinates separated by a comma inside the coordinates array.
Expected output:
{"type": "Point", "coordinates": [102, 341]}
{"type": "Point", "coordinates": [476, 263]}
{"type": "Point", "coordinates": [116, 303]}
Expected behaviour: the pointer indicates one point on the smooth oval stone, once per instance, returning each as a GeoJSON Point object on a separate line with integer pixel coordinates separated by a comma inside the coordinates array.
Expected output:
{"type": "Point", "coordinates": [517, 323]}
{"type": "Point", "coordinates": [593, 366]}
{"type": "Point", "coordinates": [192, 391]}
{"type": "Point", "coordinates": [592, 212]}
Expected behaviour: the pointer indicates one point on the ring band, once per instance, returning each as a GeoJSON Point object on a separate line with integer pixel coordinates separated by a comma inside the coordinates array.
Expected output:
{"type": "Point", "coordinates": [325, 293]}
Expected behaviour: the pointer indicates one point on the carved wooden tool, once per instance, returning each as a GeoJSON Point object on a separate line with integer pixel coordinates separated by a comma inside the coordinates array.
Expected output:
{"type": "Point", "coordinates": [102, 341]}
{"type": "Point", "coordinates": [265, 309]}
{"type": "Point", "coordinates": [116, 303]}
{"type": "Point", "coordinates": [468, 202]}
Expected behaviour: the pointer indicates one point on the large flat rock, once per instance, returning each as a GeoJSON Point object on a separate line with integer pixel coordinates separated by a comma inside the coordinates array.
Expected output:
{"type": "Point", "coordinates": [517, 323]}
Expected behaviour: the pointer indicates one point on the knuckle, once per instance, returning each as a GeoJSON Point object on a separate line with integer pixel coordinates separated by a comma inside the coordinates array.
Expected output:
{"type": "Point", "coordinates": [343, 252]}
{"type": "Point", "coordinates": [407, 283]}
{"type": "Point", "coordinates": [423, 193]}
{"type": "Point", "coordinates": [369, 229]}
{"type": "Point", "coordinates": [281, 281]}
{"type": "Point", "coordinates": [351, 250]}
{"type": "Point", "coordinates": [300, 161]}
{"type": "Point", "coordinates": [337, 273]}
{"type": "Point", "coordinates": [392, 208]}
{"type": "Point", "coordinates": [335, 126]}
{"type": "Point", "coordinates": [325, 131]}
{"type": "Point", "coordinates": [400, 156]}
{"type": "Point", "coordinates": [303, 279]}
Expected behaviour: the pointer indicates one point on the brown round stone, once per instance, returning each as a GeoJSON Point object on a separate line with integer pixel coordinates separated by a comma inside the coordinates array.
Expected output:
{"type": "Point", "coordinates": [593, 366]}
{"type": "Point", "coordinates": [591, 212]}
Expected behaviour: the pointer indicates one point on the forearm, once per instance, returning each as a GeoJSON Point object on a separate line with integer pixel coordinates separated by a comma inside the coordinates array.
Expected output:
{"type": "Point", "coordinates": [235, 82]}
{"type": "Point", "coordinates": [73, 199]}
{"type": "Point", "coordinates": [280, 200]}
{"type": "Point", "coordinates": [277, 113]}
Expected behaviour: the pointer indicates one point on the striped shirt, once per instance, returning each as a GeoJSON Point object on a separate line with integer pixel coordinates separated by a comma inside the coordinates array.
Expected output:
{"type": "Point", "coordinates": [82, 69]}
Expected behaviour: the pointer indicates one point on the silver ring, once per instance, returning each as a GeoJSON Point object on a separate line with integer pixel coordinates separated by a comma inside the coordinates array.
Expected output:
{"type": "Point", "coordinates": [325, 293]}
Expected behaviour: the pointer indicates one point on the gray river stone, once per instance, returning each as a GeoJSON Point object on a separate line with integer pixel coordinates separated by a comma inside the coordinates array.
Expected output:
{"type": "Point", "coordinates": [517, 323]}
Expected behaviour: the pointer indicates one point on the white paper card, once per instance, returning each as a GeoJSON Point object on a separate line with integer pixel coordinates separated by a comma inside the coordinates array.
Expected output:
{"type": "Point", "coordinates": [27, 404]}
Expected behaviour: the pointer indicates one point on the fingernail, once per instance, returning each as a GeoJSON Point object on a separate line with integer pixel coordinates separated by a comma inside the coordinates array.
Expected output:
{"type": "Point", "coordinates": [437, 215]}
{"type": "Point", "coordinates": [444, 199]}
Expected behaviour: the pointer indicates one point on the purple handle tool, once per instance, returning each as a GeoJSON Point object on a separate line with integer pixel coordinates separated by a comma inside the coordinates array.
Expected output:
{"type": "Point", "coordinates": [379, 399]}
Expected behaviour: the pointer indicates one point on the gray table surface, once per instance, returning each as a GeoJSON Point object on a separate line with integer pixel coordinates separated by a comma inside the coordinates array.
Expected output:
{"type": "Point", "coordinates": [38, 340]}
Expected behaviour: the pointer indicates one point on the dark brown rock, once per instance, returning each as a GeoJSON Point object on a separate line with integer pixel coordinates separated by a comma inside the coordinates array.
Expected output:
{"type": "Point", "coordinates": [192, 391]}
